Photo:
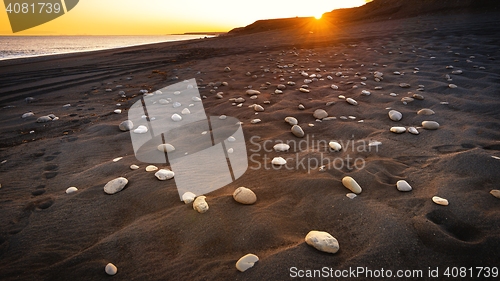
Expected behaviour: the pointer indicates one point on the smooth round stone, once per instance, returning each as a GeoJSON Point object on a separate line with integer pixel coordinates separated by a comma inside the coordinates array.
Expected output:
{"type": "Point", "coordinates": [176, 117]}
{"type": "Point", "coordinates": [413, 130]}
{"type": "Point", "coordinates": [255, 121]}
{"type": "Point", "coordinates": [134, 167]}
{"type": "Point", "coordinates": [185, 111]}
{"type": "Point", "coordinates": [200, 205]}
{"type": "Point", "coordinates": [440, 201]}
{"type": "Point", "coordinates": [281, 87]}
{"type": "Point", "coordinates": [430, 125]}
{"type": "Point", "coordinates": [118, 111]}
{"type": "Point", "coordinates": [425, 111]}
{"type": "Point", "coordinates": [239, 100]}
{"type": "Point", "coordinates": [141, 129]}
{"type": "Point", "coordinates": [418, 97]}
{"type": "Point", "coordinates": [351, 195]}
{"type": "Point", "coordinates": [402, 185]}
{"type": "Point", "coordinates": [126, 125]}
{"type": "Point", "coordinates": [252, 92]}
{"type": "Point", "coordinates": [297, 131]}
{"type": "Point", "coordinates": [291, 120]}
{"type": "Point", "coordinates": [452, 86]}
{"type": "Point", "coordinates": [244, 195]}
{"type": "Point", "coordinates": [303, 90]}
{"type": "Point", "coordinates": [151, 168]}
{"type": "Point", "coordinates": [163, 101]}
{"type": "Point", "coordinates": [320, 114]}
{"type": "Point", "coordinates": [351, 101]}
{"type": "Point", "coordinates": [110, 269]}
{"type": "Point", "coordinates": [395, 115]}
{"type": "Point", "coordinates": [279, 161]}
{"type": "Point", "coordinates": [43, 119]}
{"type": "Point", "coordinates": [398, 130]}
{"type": "Point", "coordinates": [365, 93]}
{"type": "Point", "coordinates": [404, 85]}
{"type": "Point", "coordinates": [227, 69]}
{"type": "Point", "coordinates": [166, 147]}
{"type": "Point", "coordinates": [258, 108]}
{"type": "Point", "coordinates": [116, 185]}
{"type": "Point", "coordinates": [351, 184]}
{"type": "Point", "coordinates": [117, 159]}
{"type": "Point", "coordinates": [280, 147]}
{"type": "Point", "coordinates": [335, 146]}
{"type": "Point", "coordinates": [496, 193]}
{"type": "Point", "coordinates": [71, 190]}
{"type": "Point", "coordinates": [246, 262]}
{"type": "Point", "coordinates": [302, 107]}
{"type": "Point", "coordinates": [188, 197]}
{"type": "Point", "coordinates": [28, 114]}
{"type": "Point", "coordinates": [407, 99]}
{"type": "Point", "coordinates": [164, 174]}
{"type": "Point", "coordinates": [322, 241]}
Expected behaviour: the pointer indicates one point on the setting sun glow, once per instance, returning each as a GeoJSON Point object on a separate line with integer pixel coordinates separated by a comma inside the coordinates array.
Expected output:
{"type": "Point", "coordinates": [155, 17]}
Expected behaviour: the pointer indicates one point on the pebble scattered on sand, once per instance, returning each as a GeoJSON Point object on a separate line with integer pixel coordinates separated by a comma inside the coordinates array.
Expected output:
{"type": "Point", "coordinates": [116, 185]}
{"type": "Point", "coordinates": [71, 190]}
{"type": "Point", "coordinates": [351, 195]}
{"type": "Point", "coordinates": [117, 159]}
{"type": "Point", "coordinates": [279, 161]}
{"type": "Point", "coordinates": [302, 107]}
{"type": "Point", "coordinates": [320, 114]}
{"type": "Point", "coordinates": [280, 147]}
{"type": "Point", "coordinates": [351, 101]}
{"type": "Point", "coordinates": [44, 119]}
{"type": "Point", "coordinates": [141, 129]}
{"type": "Point", "coordinates": [425, 111]}
{"type": "Point", "coordinates": [134, 167]}
{"type": "Point", "coordinates": [395, 115]}
{"type": "Point", "coordinates": [28, 114]}
{"type": "Point", "coordinates": [246, 262]}
{"type": "Point", "coordinates": [166, 147]}
{"type": "Point", "coordinates": [398, 130]}
{"type": "Point", "coordinates": [440, 201]}
{"type": "Point", "coordinates": [244, 195]}
{"type": "Point", "coordinates": [188, 197]}
{"type": "Point", "coordinates": [164, 174]}
{"type": "Point", "coordinates": [418, 97]}
{"type": "Point", "coordinates": [413, 130]}
{"type": "Point", "coordinates": [404, 85]}
{"type": "Point", "coordinates": [258, 108]}
{"type": "Point", "coordinates": [403, 185]}
{"type": "Point", "coordinates": [496, 193]}
{"type": "Point", "coordinates": [111, 269]}
{"type": "Point", "coordinates": [297, 131]}
{"type": "Point", "coordinates": [117, 111]}
{"type": "Point", "coordinates": [335, 146]}
{"type": "Point", "coordinates": [200, 205]}
{"type": "Point", "coordinates": [252, 92]}
{"type": "Point", "coordinates": [303, 90]}
{"type": "Point", "coordinates": [227, 69]}
{"type": "Point", "coordinates": [291, 120]}
{"type": "Point", "coordinates": [430, 125]}
{"type": "Point", "coordinates": [452, 86]}
{"type": "Point", "coordinates": [322, 241]}
{"type": "Point", "coordinates": [255, 121]}
{"type": "Point", "coordinates": [126, 125]}
{"type": "Point", "coordinates": [151, 168]}
{"type": "Point", "coordinates": [351, 184]}
{"type": "Point", "coordinates": [176, 117]}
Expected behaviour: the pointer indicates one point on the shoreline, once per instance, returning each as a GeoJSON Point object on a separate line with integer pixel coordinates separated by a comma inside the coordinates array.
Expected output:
{"type": "Point", "coordinates": [206, 36]}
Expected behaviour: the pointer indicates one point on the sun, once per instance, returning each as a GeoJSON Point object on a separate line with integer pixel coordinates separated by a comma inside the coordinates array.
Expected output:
{"type": "Point", "coordinates": [318, 16]}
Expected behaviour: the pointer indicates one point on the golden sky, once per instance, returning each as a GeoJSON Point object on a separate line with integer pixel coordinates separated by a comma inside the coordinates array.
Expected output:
{"type": "Point", "coordinates": [157, 17]}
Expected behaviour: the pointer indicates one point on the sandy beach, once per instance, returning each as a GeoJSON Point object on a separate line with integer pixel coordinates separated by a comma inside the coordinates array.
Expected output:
{"type": "Point", "coordinates": [149, 234]}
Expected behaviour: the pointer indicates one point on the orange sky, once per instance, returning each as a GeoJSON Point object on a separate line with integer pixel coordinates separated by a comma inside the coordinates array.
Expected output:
{"type": "Point", "coordinates": [156, 17]}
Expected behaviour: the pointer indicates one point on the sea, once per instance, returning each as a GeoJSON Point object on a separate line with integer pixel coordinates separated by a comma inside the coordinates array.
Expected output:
{"type": "Point", "coordinates": [13, 47]}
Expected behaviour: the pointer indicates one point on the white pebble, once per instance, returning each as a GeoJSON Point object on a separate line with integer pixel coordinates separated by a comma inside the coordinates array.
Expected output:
{"type": "Point", "coordinates": [244, 195]}
{"type": "Point", "coordinates": [280, 147]}
{"type": "Point", "coordinates": [188, 197]}
{"type": "Point", "coordinates": [351, 184]}
{"type": "Point", "coordinates": [151, 168]}
{"type": "Point", "coordinates": [185, 111]}
{"type": "Point", "coordinates": [255, 121]}
{"type": "Point", "coordinates": [495, 192]}
{"type": "Point", "coordinates": [395, 115]}
{"type": "Point", "coordinates": [279, 161]}
{"type": "Point", "coordinates": [291, 120]}
{"type": "Point", "coordinates": [398, 130]}
{"type": "Point", "coordinates": [111, 269]}
{"type": "Point", "coordinates": [351, 195]}
{"type": "Point", "coordinates": [71, 190]}
{"type": "Point", "coordinates": [403, 185]}
{"type": "Point", "coordinates": [164, 174]}
{"type": "Point", "coordinates": [452, 86]}
{"type": "Point", "coordinates": [116, 185]}
{"type": "Point", "coordinates": [176, 117]}
{"type": "Point", "coordinates": [430, 125]}
{"type": "Point", "coordinates": [141, 129]}
{"type": "Point", "coordinates": [351, 101]}
{"type": "Point", "coordinates": [335, 146]}
{"type": "Point", "coordinates": [165, 147]}
{"type": "Point", "coordinates": [297, 131]}
{"type": "Point", "coordinates": [134, 167]}
{"type": "Point", "coordinates": [440, 201]}
{"type": "Point", "coordinates": [118, 111]}
{"type": "Point", "coordinates": [413, 130]}
{"type": "Point", "coordinates": [200, 205]}
{"type": "Point", "coordinates": [246, 262]}
{"type": "Point", "coordinates": [117, 159]}
{"type": "Point", "coordinates": [322, 241]}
